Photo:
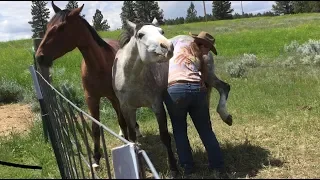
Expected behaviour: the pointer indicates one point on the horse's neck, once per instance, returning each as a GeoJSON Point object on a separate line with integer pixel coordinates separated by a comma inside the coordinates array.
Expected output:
{"type": "Point", "coordinates": [132, 64]}
{"type": "Point", "coordinates": [93, 55]}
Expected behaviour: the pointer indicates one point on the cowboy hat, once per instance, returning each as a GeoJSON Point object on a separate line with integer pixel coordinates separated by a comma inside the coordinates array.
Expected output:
{"type": "Point", "coordinates": [205, 39]}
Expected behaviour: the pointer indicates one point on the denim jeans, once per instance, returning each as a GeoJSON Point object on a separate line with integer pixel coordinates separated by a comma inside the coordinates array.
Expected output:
{"type": "Point", "coordinates": [190, 98]}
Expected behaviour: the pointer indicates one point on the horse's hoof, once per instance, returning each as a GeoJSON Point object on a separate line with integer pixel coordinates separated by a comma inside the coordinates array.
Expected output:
{"type": "Point", "coordinates": [95, 166]}
{"type": "Point", "coordinates": [228, 120]}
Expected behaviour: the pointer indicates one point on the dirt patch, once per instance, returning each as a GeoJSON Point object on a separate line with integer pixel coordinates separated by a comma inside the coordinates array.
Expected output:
{"type": "Point", "coordinates": [15, 118]}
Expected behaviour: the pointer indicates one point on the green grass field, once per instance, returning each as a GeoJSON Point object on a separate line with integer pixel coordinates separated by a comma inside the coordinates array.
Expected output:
{"type": "Point", "coordinates": [276, 110]}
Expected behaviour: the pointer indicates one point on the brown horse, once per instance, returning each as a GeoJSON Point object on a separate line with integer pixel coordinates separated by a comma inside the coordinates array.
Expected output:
{"type": "Point", "coordinates": [67, 31]}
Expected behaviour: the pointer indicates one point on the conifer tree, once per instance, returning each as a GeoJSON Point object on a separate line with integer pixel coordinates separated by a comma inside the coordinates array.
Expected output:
{"type": "Point", "coordinates": [72, 5]}
{"type": "Point", "coordinates": [98, 23]}
{"type": "Point", "coordinates": [222, 10]}
{"type": "Point", "coordinates": [191, 13]}
{"type": "Point", "coordinates": [40, 16]}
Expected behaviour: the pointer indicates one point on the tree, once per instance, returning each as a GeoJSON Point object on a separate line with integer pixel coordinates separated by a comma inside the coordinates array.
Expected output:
{"type": "Point", "coordinates": [222, 10]}
{"type": "Point", "coordinates": [301, 6]}
{"type": "Point", "coordinates": [314, 6]}
{"type": "Point", "coordinates": [191, 13]}
{"type": "Point", "coordinates": [40, 16]}
{"type": "Point", "coordinates": [128, 13]}
{"type": "Point", "coordinates": [72, 5]}
{"type": "Point", "coordinates": [147, 10]}
{"type": "Point", "coordinates": [98, 23]}
{"type": "Point", "coordinates": [284, 7]}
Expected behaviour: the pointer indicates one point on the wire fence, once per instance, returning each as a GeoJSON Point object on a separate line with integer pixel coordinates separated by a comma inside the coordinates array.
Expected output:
{"type": "Point", "coordinates": [66, 127]}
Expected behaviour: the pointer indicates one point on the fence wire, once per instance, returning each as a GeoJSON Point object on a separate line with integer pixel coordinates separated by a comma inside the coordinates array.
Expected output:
{"type": "Point", "coordinates": [66, 126]}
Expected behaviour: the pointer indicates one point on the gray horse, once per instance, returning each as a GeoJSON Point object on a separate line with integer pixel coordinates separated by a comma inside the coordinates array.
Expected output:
{"type": "Point", "coordinates": [140, 79]}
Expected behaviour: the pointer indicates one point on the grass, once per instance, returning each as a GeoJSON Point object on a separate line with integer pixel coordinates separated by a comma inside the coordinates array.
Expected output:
{"type": "Point", "coordinates": [275, 108]}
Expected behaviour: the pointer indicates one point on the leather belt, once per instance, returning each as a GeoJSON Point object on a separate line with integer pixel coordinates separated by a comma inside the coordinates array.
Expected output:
{"type": "Point", "coordinates": [184, 82]}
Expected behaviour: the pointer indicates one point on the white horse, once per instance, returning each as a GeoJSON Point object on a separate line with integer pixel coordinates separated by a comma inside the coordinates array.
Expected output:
{"type": "Point", "coordinates": [139, 80]}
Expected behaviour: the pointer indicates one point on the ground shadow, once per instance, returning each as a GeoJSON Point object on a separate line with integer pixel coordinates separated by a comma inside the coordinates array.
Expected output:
{"type": "Point", "coordinates": [241, 160]}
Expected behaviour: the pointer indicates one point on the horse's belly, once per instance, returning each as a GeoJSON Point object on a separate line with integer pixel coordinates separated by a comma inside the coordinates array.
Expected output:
{"type": "Point", "coordinates": [135, 99]}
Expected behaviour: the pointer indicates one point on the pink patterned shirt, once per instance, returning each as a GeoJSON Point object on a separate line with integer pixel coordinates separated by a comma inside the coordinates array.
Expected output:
{"type": "Point", "coordinates": [183, 66]}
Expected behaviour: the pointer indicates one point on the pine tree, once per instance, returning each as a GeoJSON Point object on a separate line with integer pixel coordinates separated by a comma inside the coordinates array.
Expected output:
{"type": "Point", "coordinates": [147, 10]}
{"type": "Point", "coordinates": [72, 5]}
{"type": "Point", "coordinates": [98, 23]}
{"type": "Point", "coordinates": [191, 13]}
{"type": "Point", "coordinates": [284, 7]}
{"type": "Point", "coordinates": [157, 13]}
{"type": "Point", "coordinates": [221, 10]}
{"type": "Point", "coordinates": [314, 6]}
{"type": "Point", "coordinates": [301, 6]}
{"type": "Point", "coordinates": [40, 16]}
{"type": "Point", "coordinates": [128, 13]}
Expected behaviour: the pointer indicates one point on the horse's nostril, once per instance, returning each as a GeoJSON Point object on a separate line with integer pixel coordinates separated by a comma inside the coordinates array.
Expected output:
{"type": "Point", "coordinates": [163, 46]}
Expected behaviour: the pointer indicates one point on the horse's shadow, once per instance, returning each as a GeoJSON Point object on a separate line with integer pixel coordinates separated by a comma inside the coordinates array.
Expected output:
{"type": "Point", "coordinates": [241, 160]}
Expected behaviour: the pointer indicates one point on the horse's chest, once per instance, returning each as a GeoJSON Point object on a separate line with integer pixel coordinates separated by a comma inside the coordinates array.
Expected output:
{"type": "Point", "coordinates": [98, 83]}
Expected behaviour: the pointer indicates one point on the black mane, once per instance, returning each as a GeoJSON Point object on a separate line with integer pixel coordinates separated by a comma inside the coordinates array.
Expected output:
{"type": "Point", "coordinates": [61, 17]}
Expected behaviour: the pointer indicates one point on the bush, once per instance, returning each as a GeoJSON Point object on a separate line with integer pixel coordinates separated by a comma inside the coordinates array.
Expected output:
{"type": "Point", "coordinates": [310, 48]}
{"type": "Point", "coordinates": [236, 70]}
{"type": "Point", "coordinates": [10, 91]}
{"type": "Point", "coordinates": [289, 62]}
{"type": "Point", "coordinates": [71, 93]}
{"type": "Point", "coordinates": [249, 60]}
{"type": "Point", "coordinates": [316, 60]}
{"type": "Point", "coordinates": [307, 53]}
{"type": "Point", "coordinates": [292, 47]}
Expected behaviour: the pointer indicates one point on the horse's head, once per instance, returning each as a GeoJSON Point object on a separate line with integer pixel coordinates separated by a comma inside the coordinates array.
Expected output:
{"type": "Point", "coordinates": [61, 36]}
{"type": "Point", "coordinates": [152, 45]}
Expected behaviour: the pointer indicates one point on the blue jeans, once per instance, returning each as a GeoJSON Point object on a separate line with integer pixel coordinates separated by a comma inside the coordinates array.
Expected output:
{"type": "Point", "coordinates": [190, 98]}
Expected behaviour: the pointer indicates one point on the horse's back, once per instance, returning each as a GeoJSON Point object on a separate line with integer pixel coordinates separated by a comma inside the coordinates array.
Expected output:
{"type": "Point", "coordinates": [115, 44]}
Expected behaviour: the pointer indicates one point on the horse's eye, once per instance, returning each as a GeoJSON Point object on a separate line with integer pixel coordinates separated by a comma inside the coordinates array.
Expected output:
{"type": "Point", "coordinates": [140, 35]}
{"type": "Point", "coordinates": [162, 32]}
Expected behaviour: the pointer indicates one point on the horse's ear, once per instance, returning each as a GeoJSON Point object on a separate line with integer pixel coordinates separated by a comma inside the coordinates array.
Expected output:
{"type": "Point", "coordinates": [75, 12]}
{"type": "Point", "coordinates": [131, 24]}
{"type": "Point", "coordinates": [55, 8]}
{"type": "Point", "coordinates": [155, 21]}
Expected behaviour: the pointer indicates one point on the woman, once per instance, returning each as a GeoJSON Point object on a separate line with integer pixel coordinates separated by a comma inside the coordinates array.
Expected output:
{"type": "Point", "coordinates": [187, 94]}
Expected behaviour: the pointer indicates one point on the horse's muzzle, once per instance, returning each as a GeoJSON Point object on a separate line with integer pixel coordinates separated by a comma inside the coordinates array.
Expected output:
{"type": "Point", "coordinates": [170, 51]}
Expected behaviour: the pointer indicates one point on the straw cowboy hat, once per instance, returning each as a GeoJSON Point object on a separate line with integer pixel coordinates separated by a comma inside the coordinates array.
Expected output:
{"type": "Point", "coordinates": [205, 39]}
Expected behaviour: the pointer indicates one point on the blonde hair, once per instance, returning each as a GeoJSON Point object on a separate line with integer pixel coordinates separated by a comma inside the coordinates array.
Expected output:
{"type": "Point", "coordinates": [195, 51]}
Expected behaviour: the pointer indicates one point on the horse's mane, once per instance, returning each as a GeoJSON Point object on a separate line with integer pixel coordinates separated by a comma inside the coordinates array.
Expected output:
{"type": "Point", "coordinates": [61, 17]}
{"type": "Point", "coordinates": [128, 32]}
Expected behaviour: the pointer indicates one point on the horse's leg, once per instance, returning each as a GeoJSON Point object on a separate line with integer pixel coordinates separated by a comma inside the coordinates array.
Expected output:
{"type": "Point", "coordinates": [122, 122]}
{"type": "Point", "coordinates": [129, 115]}
{"type": "Point", "coordinates": [93, 105]}
{"type": "Point", "coordinates": [223, 89]}
{"type": "Point", "coordinates": [160, 114]}
{"type": "Point", "coordinates": [138, 133]}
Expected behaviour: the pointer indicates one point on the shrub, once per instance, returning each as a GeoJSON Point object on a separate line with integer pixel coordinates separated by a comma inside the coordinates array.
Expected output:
{"type": "Point", "coordinates": [249, 60]}
{"type": "Point", "coordinates": [292, 47]}
{"type": "Point", "coordinates": [312, 47]}
{"type": "Point", "coordinates": [307, 53]}
{"type": "Point", "coordinates": [316, 60]}
{"type": "Point", "coordinates": [70, 92]}
{"type": "Point", "coordinates": [10, 91]}
{"type": "Point", "coordinates": [236, 70]}
{"type": "Point", "coordinates": [289, 62]}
